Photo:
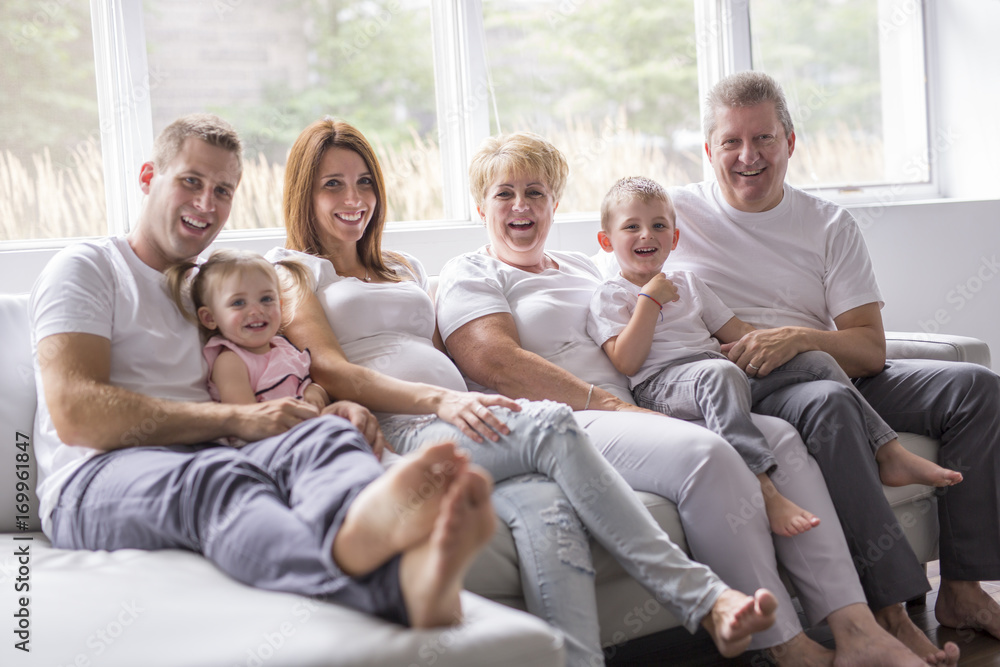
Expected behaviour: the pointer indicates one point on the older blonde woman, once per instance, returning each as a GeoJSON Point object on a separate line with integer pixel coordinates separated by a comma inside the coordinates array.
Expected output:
{"type": "Point", "coordinates": [513, 316]}
{"type": "Point", "coordinates": [370, 329]}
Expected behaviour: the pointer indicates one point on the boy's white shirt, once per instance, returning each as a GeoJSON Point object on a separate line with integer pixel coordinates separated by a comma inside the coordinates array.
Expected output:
{"type": "Point", "coordinates": [684, 330]}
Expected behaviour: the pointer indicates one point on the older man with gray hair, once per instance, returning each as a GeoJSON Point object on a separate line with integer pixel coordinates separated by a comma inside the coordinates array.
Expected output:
{"type": "Point", "coordinates": [796, 267]}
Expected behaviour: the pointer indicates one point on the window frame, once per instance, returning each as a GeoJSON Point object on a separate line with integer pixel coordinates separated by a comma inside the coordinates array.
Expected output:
{"type": "Point", "coordinates": [463, 91]}
{"type": "Point", "coordinates": [724, 46]}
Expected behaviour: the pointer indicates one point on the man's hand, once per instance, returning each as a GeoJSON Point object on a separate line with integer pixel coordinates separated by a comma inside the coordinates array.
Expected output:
{"type": "Point", "coordinates": [363, 420]}
{"type": "Point", "coordinates": [262, 420]}
{"type": "Point", "coordinates": [761, 351]}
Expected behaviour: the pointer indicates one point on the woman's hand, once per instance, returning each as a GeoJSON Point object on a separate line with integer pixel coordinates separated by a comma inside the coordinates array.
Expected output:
{"type": "Point", "coordinates": [470, 412]}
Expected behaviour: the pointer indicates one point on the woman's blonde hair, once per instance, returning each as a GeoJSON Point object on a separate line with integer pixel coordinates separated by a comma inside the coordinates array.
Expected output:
{"type": "Point", "coordinates": [301, 172]}
{"type": "Point", "coordinates": [523, 153]}
{"type": "Point", "coordinates": [293, 284]}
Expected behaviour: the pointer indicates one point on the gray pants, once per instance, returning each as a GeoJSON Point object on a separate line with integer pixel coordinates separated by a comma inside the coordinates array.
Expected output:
{"type": "Point", "coordinates": [266, 514]}
{"type": "Point", "coordinates": [710, 387]}
{"type": "Point", "coordinates": [957, 403]}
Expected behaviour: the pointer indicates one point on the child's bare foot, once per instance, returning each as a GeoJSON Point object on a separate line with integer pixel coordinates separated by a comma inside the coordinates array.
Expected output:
{"type": "Point", "coordinates": [398, 509]}
{"type": "Point", "coordinates": [786, 518]}
{"type": "Point", "coordinates": [431, 574]}
{"type": "Point", "coordinates": [735, 617]}
{"type": "Point", "coordinates": [898, 467]}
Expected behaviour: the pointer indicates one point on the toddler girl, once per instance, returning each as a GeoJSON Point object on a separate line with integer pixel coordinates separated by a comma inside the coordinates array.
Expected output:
{"type": "Point", "coordinates": [238, 297]}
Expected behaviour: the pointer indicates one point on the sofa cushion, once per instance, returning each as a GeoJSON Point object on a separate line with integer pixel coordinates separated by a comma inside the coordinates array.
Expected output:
{"type": "Point", "coordinates": [168, 608]}
{"type": "Point", "coordinates": [17, 412]}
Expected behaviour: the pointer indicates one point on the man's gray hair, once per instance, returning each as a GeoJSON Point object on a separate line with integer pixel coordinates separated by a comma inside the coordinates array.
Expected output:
{"type": "Point", "coordinates": [745, 89]}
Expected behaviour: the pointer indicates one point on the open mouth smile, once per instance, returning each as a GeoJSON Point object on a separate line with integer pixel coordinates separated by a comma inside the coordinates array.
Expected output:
{"type": "Point", "coordinates": [193, 223]}
{"type": "Point", "coordinates": [351, 217]}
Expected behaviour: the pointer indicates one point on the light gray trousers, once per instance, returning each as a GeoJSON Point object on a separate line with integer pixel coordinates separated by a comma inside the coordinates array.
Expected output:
{"type": "Point", "coordinates": [709, 387]}
{"type": "Point", "coordinates": [722, 509]}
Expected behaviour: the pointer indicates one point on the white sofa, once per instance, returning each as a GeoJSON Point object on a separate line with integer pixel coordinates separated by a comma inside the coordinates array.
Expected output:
{"type": "Point", "coordinates": [628, 612]}
{"type": "Point", "coordinates": [134, 608]}
{"type": "Point", "coordinates": [174, 608]}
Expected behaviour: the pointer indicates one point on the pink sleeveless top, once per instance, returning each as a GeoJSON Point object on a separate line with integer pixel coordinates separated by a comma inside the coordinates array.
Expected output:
{"type": "Point", "coordinates": [282, 371]}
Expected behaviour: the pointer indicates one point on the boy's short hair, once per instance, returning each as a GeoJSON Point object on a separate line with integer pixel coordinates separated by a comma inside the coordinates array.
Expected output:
{"type": "Point", "coordinates": [205, 126]}
{"type": "Point", "coordinates": [631, 188]}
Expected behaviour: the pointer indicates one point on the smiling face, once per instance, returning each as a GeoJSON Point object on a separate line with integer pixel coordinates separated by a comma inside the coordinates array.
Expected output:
{"type": "Point", "coordinates": [641, 234]}
{"type": "Point", "coordinates": [749, 152]}
{"type": "Point", "coordinates": [244, 306]}
{"type": "Point", "coordinates": [189, 200]}
{"type": "Point", "coordinates": [344, 197]}
{"type": "Point", "coordinates": [518, 212]}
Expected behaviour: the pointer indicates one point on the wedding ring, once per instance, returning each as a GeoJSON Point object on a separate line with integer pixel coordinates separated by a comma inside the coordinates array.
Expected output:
{"type": "Point", "coordinates": [756, 368]}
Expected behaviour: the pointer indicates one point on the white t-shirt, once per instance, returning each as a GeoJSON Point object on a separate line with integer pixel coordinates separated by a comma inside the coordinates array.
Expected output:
{"type": "Point", "coordinates": [549, 308]}
{"type": "Point", "coordinates": [685, 329]}
{"type": "Point", "coordinates": [103, 288]}
{"type": "Point", "coordinates": [802, 263]}
{"type": "Point", "coordinates": [388, 327]}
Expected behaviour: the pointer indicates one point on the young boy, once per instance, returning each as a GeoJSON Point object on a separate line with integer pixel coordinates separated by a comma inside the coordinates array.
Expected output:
{"type": "Point", "coordinates": [664, 332]}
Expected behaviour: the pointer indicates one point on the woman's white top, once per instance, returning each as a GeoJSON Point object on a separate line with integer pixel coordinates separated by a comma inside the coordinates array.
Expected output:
{"type": "Point", "coordinates": [388, 327]}
{"type": "Point", "coordinates": [549, 308]}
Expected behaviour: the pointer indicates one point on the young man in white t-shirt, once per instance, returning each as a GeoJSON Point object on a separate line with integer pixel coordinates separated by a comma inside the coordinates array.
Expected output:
{"type": "Point", "coordinates": [128, 440]}
{"type": "Point", "coordinates": [796, 267]}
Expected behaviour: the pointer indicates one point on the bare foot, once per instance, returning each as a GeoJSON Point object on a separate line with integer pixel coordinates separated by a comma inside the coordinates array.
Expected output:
{"type": "Point", "coordinates": [735, 617]}
{"type": "Point", "coordinates": [964, 604]}
{"type": "Point", "coordinates": [861, 641]}
{"type": "Point", "coordinates": [786, 518]}
{"type": "Point", "coordinates": [898, 467]}
{"type": "Point", "coordinates": [801, 651]}
{"type": "Point", "coordinates": [398, 509]}
{"type": "Point", "coordinates": [431, 574]}
{"type": "Point", "coordinates": [897, 623]}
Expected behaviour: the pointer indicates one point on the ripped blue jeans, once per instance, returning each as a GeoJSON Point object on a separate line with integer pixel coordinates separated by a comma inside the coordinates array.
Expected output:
{"type": "Point", "coordinates": [588, 496]}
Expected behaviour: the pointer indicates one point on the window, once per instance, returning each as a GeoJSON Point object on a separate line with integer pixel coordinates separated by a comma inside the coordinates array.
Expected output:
{"type": "Point", "coordinates": [618, 96]}
{"type": "Point", "coordinates": [616, 84]}
{"type": "Point", "coordinates": [272, 68]}
{"type": "Point", "coordinates": [854, 75]}
{"type": "Point", "coordinates": [51, 172]}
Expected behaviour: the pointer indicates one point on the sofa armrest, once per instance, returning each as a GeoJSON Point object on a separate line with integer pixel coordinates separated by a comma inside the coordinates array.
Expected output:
{"type": "Point", "coordinates": [944, 347]}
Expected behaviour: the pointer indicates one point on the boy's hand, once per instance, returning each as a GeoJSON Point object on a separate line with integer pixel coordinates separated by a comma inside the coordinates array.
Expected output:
{"type": "Point", "coordinates": [661, 289]}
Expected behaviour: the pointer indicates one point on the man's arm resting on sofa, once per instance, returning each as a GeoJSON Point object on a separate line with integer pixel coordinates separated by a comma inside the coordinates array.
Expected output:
{"type": "Point", "coordinates": [858, 344]}
{"type": "Point", "coordinates": [88, 411]}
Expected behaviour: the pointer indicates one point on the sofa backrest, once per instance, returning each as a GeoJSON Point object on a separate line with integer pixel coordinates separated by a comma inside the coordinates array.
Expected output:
{"type": "Point", "coordinates": [17, 415]}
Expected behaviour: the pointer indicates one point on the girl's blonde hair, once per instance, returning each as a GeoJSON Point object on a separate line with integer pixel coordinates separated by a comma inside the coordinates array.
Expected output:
{"type": "Point", "coordinates": [293, 284]}
{"type": "Point", "coordinates": [301, 171]}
